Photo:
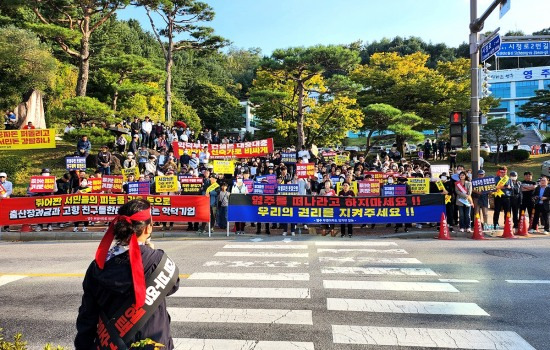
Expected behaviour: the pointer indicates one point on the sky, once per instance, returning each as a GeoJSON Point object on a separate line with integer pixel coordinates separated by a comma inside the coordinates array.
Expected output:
{"type": "Point", "coordinates": [274, 24]}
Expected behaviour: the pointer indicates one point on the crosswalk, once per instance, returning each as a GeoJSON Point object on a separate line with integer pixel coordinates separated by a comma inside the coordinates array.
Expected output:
{"type": "Point", "coordinates": [248, 277]}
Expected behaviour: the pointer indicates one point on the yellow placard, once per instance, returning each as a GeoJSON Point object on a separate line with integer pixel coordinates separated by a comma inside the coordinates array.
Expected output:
{"type": "Point", "coordinates": [440, 185]}
{"type": "Point", "coordinates": [27, 139]}
{"type": "Point", "coordinates": [224, 166]}
{"type": "Point", "coordinates": [166, 183]}
{"type": "Point", "coordinates": [130, 171]}
{"type": "Point", "coordinates": [354, 187]}
{"type": "Point", "coordinates": [419, 185]}
{"type": "Point", "coordinates": [341, 159]}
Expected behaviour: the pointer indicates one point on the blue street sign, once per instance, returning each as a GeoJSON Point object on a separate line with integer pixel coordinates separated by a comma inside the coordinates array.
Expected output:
{"type": "Point", "coordinates": [490, 48]}
{"type": "Point", "coordinates": [504, 8]}
{"type": "Point", "coordinates": [524, 49]}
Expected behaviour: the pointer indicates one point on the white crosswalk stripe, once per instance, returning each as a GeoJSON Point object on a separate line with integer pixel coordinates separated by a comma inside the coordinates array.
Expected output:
{"type": "Point", "coordinates": [226, 315]}
{"type": "Point", "coordinates": [355, 244]}
{"type": "Point", "coordinates": [429, 338]}
{"type": "Point", "coordinates": [405, 307]}
{"type": "Point", "coordinates": [237, 292]}
{"type": "Point", "coordinates": [267, 263]}
{"type": "Point", "coordinates": [362, 250]}
{"type": "Point", "coordinates": [5, 279]}
{"type": "Point", "coordinates": [266, 246]}
{"type": "Point", "coordinates": [369, 260]}
{"type": "Point", "coordinates": [390, 285]}
{"type": "Point", "coordinates": [249, 276]}
{"type": "Point", "coordinates": [263, 254]}
{"type": "Point", "coordinates": [392, 271]}
{"type": "Point", "coordinates": [233, 344]}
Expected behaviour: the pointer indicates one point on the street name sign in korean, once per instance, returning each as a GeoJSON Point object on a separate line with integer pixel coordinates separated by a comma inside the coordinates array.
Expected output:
{"type": "Point", "coordinates": [524, 49]}
{"type": "Point", "coordinates": [489, 48]}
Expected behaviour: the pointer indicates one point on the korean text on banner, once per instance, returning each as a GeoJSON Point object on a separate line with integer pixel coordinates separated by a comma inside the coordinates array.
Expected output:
{"type": "Point", "coordinates": [341, 159]}
{"type": "Point", "coordinates": [369, 188]}
{"type": "Point", "coordinates": [337, 210]}
{"type": "Point", "coordinates": [419, 185]}
{"type": "Point", "coordinates": [130, 171]}
{"type": "Point", "coordinates": [305, 170]}
{"type": "Point", "coordinates": [111, 183]}
{"type": "Point", "coordinates": [41, 184]}
{"type": "Point", "coordinates": [250, 149]}
{"type": "Point", "coordinates": [190, 185]}
{"type": "Point", "coordinates": [95, 184]}
{"type": "Point", "coordinates": [139, 187]}
{"type": "Point", "coordinates": [99, 207]}
{"type": "Point", "coordinates": [485, 184]}
{"type": "Point", "coordinates": [438, 169]}
{"type": "Point", "coordinates": [394, 190]}
{"type": "Point", "coordinates": [287, 189]}
{"type": "Point", "coordinates": [288, 157]}
{"type": "Point", "coordinates": [75, 163]}
{"type": "Point", "coordinates": [27, 139]}
{"type": "Point", "coordinates": [224, 166]}
{"type": "Point", "coordinates": [166, 183]}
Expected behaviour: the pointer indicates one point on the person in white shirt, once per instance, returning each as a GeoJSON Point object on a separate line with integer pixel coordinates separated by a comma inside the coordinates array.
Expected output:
{"type": "Point", "coordinates": [204, 156]}
{"type": "Point", "coordinates": [239, 188]}
{"type": "Point", "coordinates": [304, 154]}
{"type": "Point", "coordinates": [184, 137]}
{"type": "Point", "coordinates": [146, 128]}
{"type": "Point", "coordinates": [8, 189]}
{"type": "Point", "coordinates": [69, 128]}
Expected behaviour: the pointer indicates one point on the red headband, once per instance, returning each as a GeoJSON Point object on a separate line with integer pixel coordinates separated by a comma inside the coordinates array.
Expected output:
{"type": "Point", "coordinates": [136, 263]}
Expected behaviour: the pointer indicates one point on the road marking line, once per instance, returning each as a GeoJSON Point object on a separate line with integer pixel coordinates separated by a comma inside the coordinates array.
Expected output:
{"type": "Point", "coordinates": [429, 338]}
{"type": "Point", "coordinates": [234, 344]}
{"type": "Point", "coordinates": [266, 246]}
{"type": "Point", "coordinates": [238, 292]}
{"type": "Point", "coordinates": [371, 260]}
{"type": "Point", "coordinates": [61, 275]}
{"type": "Point", "coordinates": [264, 254]}
{"type": "Point", "coordinates": [451, 280]}
{"type": "Point", "coordinates": [356, 244]}
{"type": "Point", "coordinates": [394, 271]}
{"type": "Point", "coordinates": [250, 276]}
{"type": "Point", "coordinates": [5, 279]}
{"type": "Point", "coordinates": [405, 307]}
{"type": "Point", "coordinates": [237, 263]}
{"type": "Point", "coordinates": [224, 315]}
{"type": "Point", "coordinates": [528, 281]}
{"type": "Point", "coordinates": [365, 250]}
{"type": "Point", "coordinates": [390, 285]}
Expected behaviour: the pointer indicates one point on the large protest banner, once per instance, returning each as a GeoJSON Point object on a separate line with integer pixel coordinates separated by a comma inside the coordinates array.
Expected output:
{"type": "Point", "coordinates": [485, 184]}
{"type": "Point", "coordinates": [224, 166]}
{"type": "Point", "coordinates": [111, 183]}
{"type": "Point", "coordinates": [2, 190]}
{"type": "Point", "coordinates": [75, 163]}
{"type": "Point", "coordinates": [167, 183]}
{"type": "Point", "coordinates": [337, 210]}
{"type": "Point", "coordinates": [27, 139]}
{"type": "Point", "coordinates": [305, 170]}
{"type": "Point", "coordinates": [99, 207]}
{"type": "Point", "coordinates": [419, 185]}
{"type": "Point", "coordinates": [190, 185]}
{"type": "Point", "coordinates": [250, 149]}
{"type": "Point", "coordinates": [368, 188]}
{"type": "Point", "coordinates": [41, 184]}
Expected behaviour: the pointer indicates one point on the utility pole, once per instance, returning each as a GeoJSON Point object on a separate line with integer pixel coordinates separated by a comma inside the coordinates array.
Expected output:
{"type": "Point", "coordinates": [476, 25]}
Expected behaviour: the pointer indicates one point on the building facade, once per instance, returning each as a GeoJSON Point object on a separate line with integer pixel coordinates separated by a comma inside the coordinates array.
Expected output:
{"type": "Point", "coordinates": [514, 87]}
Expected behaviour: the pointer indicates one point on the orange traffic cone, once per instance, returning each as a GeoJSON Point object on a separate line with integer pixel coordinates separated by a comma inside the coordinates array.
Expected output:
{"type": "Point", "coordinates": [522, 229]}
{"type": "Point", "coordinates": [478, 231]}
{"type": "Point", "coordinates": [508, 228]}
{"type": "Point", "coordinates": [26, 228]}
{"type": "Point", "coordinates": [444, 229]}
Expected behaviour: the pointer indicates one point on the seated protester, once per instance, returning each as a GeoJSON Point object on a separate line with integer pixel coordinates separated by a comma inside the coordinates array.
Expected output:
{"type": "Point", "coordinates": [83, 147]}
{"type": "Point", "coordinates": [120, 143]}
{"type": "Point", "coordinates": [169, 165]}
{"type": "Point", "coordinates": [63, 184]}
{"type": "Point", "coordinates": [194, 161]}
{"type": "Point", "coordinates": [130, 178]}
{"type": "Point", "coordinates": [151, 166]}
{"type": "Point", "coordinates": [130, 161]}
{"type": "Point", "coordinates": [162, 159]}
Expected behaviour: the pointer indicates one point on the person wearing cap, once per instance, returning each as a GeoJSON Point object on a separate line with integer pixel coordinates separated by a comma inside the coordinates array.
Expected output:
{"type": "Point", "coordinates": [151, 166]}
{"type": "Point", "coordinates": [119, 273]}
{"type": "Point", "coordinates": [8, 190]}
{"type": "Point", "coordinates": [130, 161]}
{"type": "Point", "coordinates": [104, 160]}
{"type": "Point", "coordinates": [515, 197]}
{"type": "Point", "coordinates": [481, 202]}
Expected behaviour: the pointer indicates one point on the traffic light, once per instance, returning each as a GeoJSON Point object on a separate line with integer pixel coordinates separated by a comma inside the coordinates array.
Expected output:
{"type": "Point", "coordinates": [456, 129]}
{"type": "Point", "coordinates": [485, 86]}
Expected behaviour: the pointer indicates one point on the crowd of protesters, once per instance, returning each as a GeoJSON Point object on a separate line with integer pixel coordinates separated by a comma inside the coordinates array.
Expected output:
{"type": "Point", "coordinates": [150, 149]}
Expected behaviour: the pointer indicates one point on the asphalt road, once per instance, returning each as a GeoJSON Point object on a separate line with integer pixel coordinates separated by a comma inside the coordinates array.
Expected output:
{"type": "Point", "coordinates": [308, 292]}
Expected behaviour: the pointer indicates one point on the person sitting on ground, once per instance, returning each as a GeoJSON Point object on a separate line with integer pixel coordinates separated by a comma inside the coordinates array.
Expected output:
{"type": "Point", "coordinates": [83, 147]}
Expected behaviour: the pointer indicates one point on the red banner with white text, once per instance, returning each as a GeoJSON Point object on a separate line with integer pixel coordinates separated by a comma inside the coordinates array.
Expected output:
{"type": "Point", "coordinates": [258, 148]}
{"type": "Point", "coordinates": [99, 207]}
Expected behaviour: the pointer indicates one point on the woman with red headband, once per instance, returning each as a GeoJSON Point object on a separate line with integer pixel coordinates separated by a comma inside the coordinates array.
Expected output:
{"type": "Point", "coordinates": [120, 304]}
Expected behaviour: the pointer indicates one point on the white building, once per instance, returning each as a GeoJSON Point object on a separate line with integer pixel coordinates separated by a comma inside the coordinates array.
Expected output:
{"type": "Point", "coordinates": [248, 115]}
{"type": "Point", "coordinates": [514, 87]}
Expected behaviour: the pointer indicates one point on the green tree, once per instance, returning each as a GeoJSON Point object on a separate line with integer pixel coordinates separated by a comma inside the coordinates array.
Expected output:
{"type": "Point", "coordinates": [71, 24]}
{"type": "Point", "coordinates": [498, 131]}
{"type": "Point", "coordinates": [242, 65]}
{"type": "Point", "coordinates": [25, 64]}
{"type": "Point", "coordinates": [187, 114]}
{"type": "Point", "coordinates": [180, 18]}
{"type": "Point", "coordinates": [538, 106]}
{"type": "Point", "coordinates": [376, 119]}
{"type": "Point", "coordinates": [82, 109]}
{"type": "Point", "coordinates": [295, 68]}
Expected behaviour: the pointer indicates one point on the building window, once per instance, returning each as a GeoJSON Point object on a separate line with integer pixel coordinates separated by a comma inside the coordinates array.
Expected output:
{"type": "Point", "coordinates": [500, 90]}
{"type": "Point", "coordinates": [526, 88]}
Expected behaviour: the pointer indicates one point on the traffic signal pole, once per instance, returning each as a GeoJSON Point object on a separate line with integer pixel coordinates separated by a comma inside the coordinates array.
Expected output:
{"type": "Point", "coordinates": [476, 25]}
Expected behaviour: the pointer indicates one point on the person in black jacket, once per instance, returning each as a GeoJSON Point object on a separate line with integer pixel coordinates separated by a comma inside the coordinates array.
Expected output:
{"type": "Point", "coordinates": [118, 274]}
{"type": "Point", "coordinates": [541, 198]}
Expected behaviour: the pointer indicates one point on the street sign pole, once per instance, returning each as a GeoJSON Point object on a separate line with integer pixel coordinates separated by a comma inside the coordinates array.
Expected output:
{"type": "Point", "coordinates": [474, 97]}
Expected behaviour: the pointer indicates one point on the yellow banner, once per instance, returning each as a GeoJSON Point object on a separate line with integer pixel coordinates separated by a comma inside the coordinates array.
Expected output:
{"type": "Point", "coordinates": [419, 185]}
{"type": "Point", "coordinates": [354, 187]}
{"type": "Point", "coordinates": [341, 159]}
{"type": "Point", "coordinates": [212, 187]}
{"type": "Point", "coordinates": [440, 185]}
{"type": "Point", "coordinates": [27, 139]}
{"type": "Point", "coordinates": [166, 183]}
{"type": "Point", "coordinates": [130, 171]}
{"type": "Point", "coordinates": [224, 166]}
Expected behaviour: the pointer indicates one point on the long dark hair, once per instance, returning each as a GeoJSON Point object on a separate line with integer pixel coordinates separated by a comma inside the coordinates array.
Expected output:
{"type": "Point", "coordinates": [124, 230]}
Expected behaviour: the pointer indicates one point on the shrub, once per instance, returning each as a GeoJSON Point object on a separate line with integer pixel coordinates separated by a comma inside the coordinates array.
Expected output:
{"type": "Point", "coordinates": [546, 139]}
{"type": "Point", "coordinates": [466, 156]}
{"type": "Point", "coordinates": [13, 165]}
{"type": "Point", "coordinates": [518, 155]}
{"type": "Point", "coordinates": [97, 137]}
